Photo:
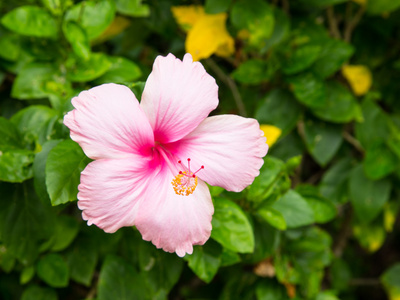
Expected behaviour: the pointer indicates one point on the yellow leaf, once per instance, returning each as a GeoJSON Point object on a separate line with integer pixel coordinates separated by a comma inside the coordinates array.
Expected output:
{"type": "Point", "coordinates": [187, 16]}
{"type": "Point", "coordinates": [361, 2]}
{"type": "Point", "coordinates": [390, 211]}
{"type": "Point", "coordinates": [359, 78]}
{"type": "Point", "coordinates": [395, 295]}
{"type": "Point", "coordinates": [116, 27]}
{"type": "Point", "coordinates": [371, 237]}
{"type": "Point", "coordinates": [243, 34]}
{"type": "Point", "coordinates": [271, 132]}
{"type": "Point", "coordinates": [209, 36]}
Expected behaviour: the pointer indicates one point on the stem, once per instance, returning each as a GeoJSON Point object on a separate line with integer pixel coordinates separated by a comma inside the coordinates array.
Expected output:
{"type": "Point", "coordinates": [81, 12]}
{"type": "Point", "coordinates": [344, 233]}
{"type": "Point", "coordinates": [301, 130]}
{"type": "Point", "coordinates": [333, 24]}
{"type": "Point", "coordinates": [353, 141]}
{"type": "Point", "coordinates": [364, 281]}
{"type": "Point", "coordinates": [230, 83]}
{"type": "Point", "coordinates": [93, 290]}
{"type": "Point", "coordinates": [285, 6]}
{"type": "Point", "coordinates": [351, 23]}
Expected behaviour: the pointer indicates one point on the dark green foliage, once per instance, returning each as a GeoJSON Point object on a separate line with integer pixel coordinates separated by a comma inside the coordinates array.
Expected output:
{"type": "Point", "coordinates": [318, 223]}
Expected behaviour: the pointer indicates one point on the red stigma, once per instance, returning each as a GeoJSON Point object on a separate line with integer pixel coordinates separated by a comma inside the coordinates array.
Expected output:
{"type": "Point", "coordinates": [185, 182]}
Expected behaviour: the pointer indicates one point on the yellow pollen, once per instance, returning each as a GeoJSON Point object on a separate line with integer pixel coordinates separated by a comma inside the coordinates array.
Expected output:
{"type": "Point", "coordinates": [184, 184]}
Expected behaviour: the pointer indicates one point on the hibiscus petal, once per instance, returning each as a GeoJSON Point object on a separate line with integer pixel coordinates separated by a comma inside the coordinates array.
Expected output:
{"type": "Point", "coordinates": [229, 147]}
{"type": "Point", "coordinates": [177, 97]}
{"type": "Point", "coordinates": [110, 190]}
{"type": "Point", "coordinates": [108, 122]}
{"type": "Point", "coordinates": [173, 222]}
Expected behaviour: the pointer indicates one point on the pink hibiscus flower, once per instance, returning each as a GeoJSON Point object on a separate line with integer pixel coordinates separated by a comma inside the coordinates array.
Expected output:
{"type": "Point", "coordinates": [152, 160]}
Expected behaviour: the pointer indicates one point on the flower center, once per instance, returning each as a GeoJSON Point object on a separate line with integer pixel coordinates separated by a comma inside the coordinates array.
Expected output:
{"type": "Point", "coordinates": [185, 182]}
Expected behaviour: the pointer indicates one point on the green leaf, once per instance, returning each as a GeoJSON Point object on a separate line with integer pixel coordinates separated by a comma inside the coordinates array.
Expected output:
{"type": "Point", "coordinates": [35, 292]}
{"type": "Point", "coordinates": [288, 147]}
{"type": "Point", "coordinates": [319, 3]}
{"type": "Point", "coordinates": [281, 30]}
{"type": "Point", "coordinates": [311, 251]}
{"type": "Point", "coordinates": [86, 70]}
{"type": "Point", "coordinates": [93, 16]}
{"type": "Point", "coordinates": [53, 270]}
{"type": "Point", "coordinates": [160, 268]}
{"type": "Point", "coordinates": [133, 8]}
{"type": "Point", "coordinates": [301, 58]}
{"type": "Point", "coordinates": [10, 137]}
{"type": "Point", "coordinates": [10, 47]}
{"type": "Point", "coordinates": [116, 278]}
{"type": "Point", "coordinates": [82, 259]}
{"type": "Point", "coordinates": [309, 90]}
{"type": "Point", "coordinates": [121, 70]}
{"type": "Point", "coordinates": [16, 165]}
{"type": "Point", "coordinates": [293, 163]}
{"type": "Point", "coordinates": [273, 217]}
{"type": "Point", "coordinates": [280, 109]}
{"type": "Point", "coordinates": [27, 274]}
{"type": "Point", "coordinates": [56, 6]}
{"type": "Point", "coordinates": [333, 185]}
{"type": "Point", "coordinates": [269, 289]}
{"type": "Point", "coordinates": [374, 128]}
{"type": "Point", "coordinates": [255, 71]}
{"type": "Point", "coordinates": [368, 197]}
{"type": "Point", "coordinates": [229, 258]}
{"type": "Point", "coordinates": [7, 260]}
{"type": "Point", "coordinates": [39, 169]}
{"type": "Point", "coordinates": [27, 223]}
{"type": "Point", "coordinates": [324, 209]}
{"type": "Point", "coordinates": [31, 21]}
{"type": "Point", "coordinates": [382, 6]}
{"type": "Point", "coordinates": [326, 295]}
{"type": "Point", "coordinates": [205, 260]}
{"type": "Point", "coordinates": [231, 228]}
{"type": "Point", "coordinates": [340, 273]}
{"type": "Point", "coordinates": [64, 164]}
{"type": "Point", "coordinates": [322, 140]}
{"type": "Point", "coordinates": [267, 240]}
{"type": "Point", "coordinates": [65, 232]}
{"type": "Point", "coordinates": [394, 144]}
{"type": "Point", "coordinates": [340, 105]}
{"type": "Point", "coordinates": [295, 210]}
{"type": "Point", "coordinates": [379, 161]}
{"type": "Point", "coordinates": [216, 6]}
{"type": "Point", "coordinates": [333, 55]}
{"type": "Point", "coordinates": [255, 16]}
{"type": "Point", "coordinates": [35, 121]}
{"type": "Point", "coordinates": [137, 88]}
{"type": "Point", "coordinates": [391, 281]}
{"type": "Point", "coordinates": [285, 272]}
{"type": "Point", "coordinates": [32, 79]}
{"type": "Point", "coordinates": [78, 39]}
{"type": "Point", "coordinates": [262, 187]}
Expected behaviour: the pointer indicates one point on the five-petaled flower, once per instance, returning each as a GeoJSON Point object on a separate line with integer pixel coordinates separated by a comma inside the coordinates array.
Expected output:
{"type": "Point", "coordinates": [151, 160]}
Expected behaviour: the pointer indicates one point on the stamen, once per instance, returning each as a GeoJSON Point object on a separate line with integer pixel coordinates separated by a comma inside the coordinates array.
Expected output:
{"type": "Point", "coordinates": [185, 182]}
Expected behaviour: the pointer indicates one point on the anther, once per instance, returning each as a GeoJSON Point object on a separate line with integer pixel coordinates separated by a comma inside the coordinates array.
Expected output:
{"type": "Point", "coordinates": [186, 181]}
